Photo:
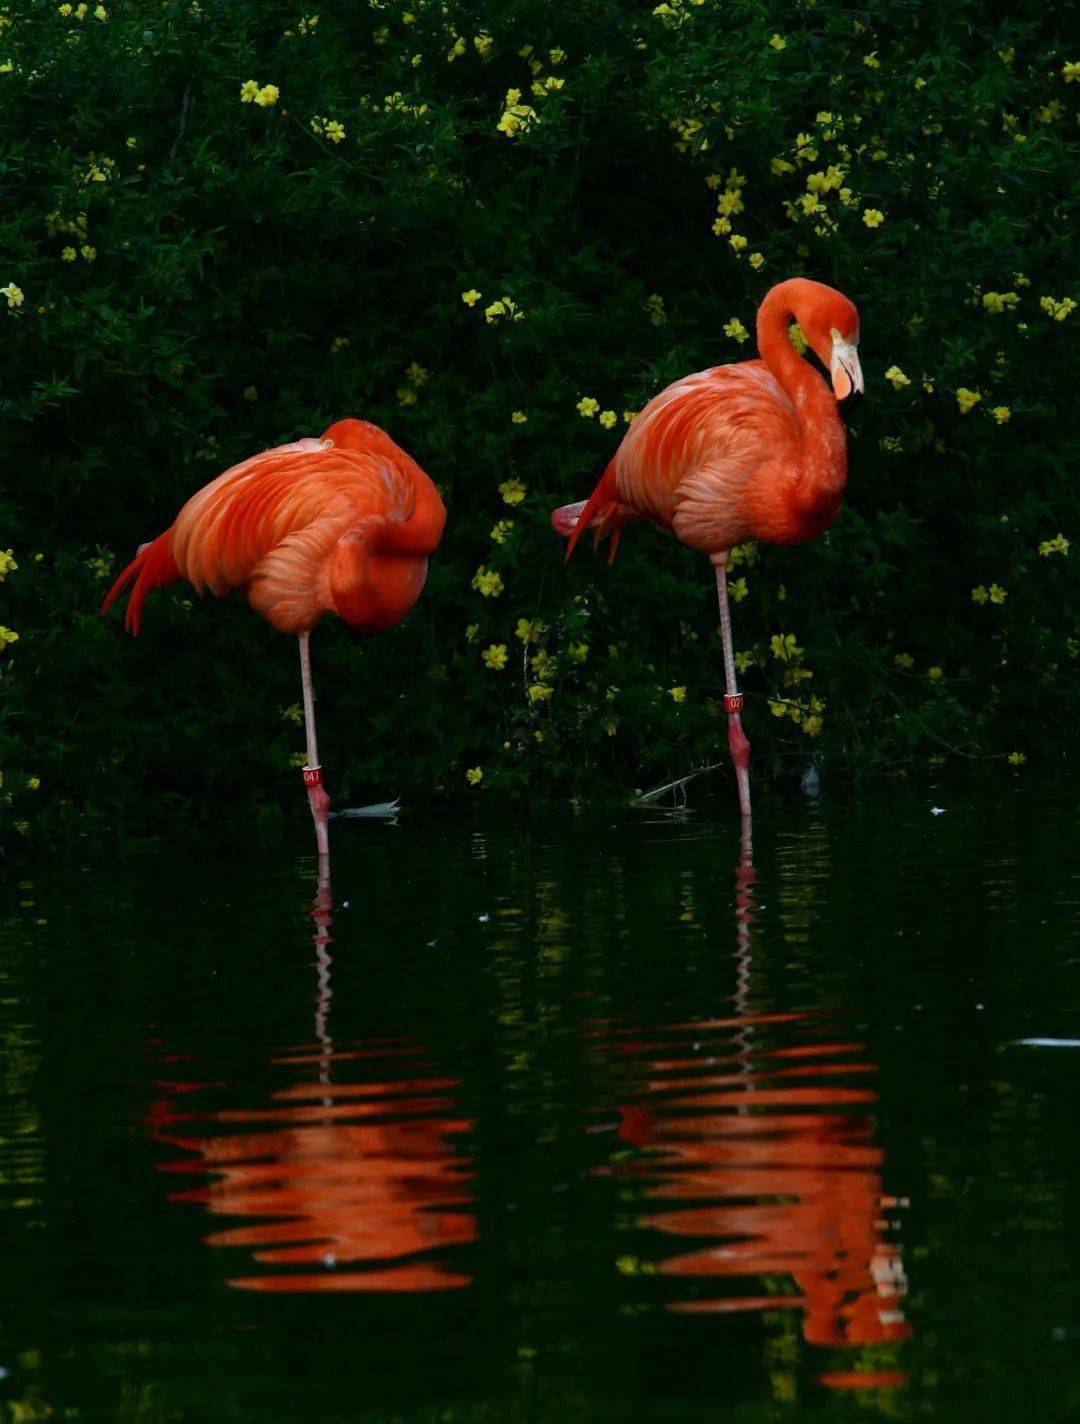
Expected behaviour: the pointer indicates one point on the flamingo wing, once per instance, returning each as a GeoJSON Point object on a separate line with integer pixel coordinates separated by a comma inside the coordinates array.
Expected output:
{"type": "Point", "coordinates": [692, 459]}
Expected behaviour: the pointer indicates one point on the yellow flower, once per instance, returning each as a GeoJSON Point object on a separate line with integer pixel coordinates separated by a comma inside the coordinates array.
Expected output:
{"type": "Point", "coordinates": [33, 783]}
{"type": "Point", "coordinates": [518, 417]}
{"type": "Point", "coordinates": [904, 660]}
{"type": "Point", "coordinates": [335, 131]}
{"type": "Point", "coordinates": [784, 647]}
{"type": "Point", "coordinates": [735, 329]}
{"type": "Point", "coordinates": [873, 217]}
{"type": "Point", "coordinates": [100, 13]}
{"type": "Point", "coordinates": [501, 529]}
{"type": "Point", "coordinates": [588, 406]}
{"type": "Point", "coordinates": [654, 307]}
{"type": "Point", "coordinates": [997, 593]}
{"type": "Point", "coordinates": [1057, 310]}
{"type": "Point", "coordinates": [248, 91]}
{"type": "Point", "coordinates": [14, 294]}
{"type": "Point", "coordinates": [483, 44]}
{"type": "Point", "coordinates": [540, 692]}
{"type": "Point", "coordinates": [1071, 71]}
{"type": "Point", "coordinates": [812, 726]}
{"type": "Point", "coordinates": [495, 657]}
{"type": "Point", "coordinates": [1058, 545]}
{"type": "Point", "coordinates": [471, 297]}
{"type": "Point", "coordinates": [778, 42]}
{"type": "Point", "coordinates": [512, 491]}
{"type": "Point", "coordinates": [743, 661]}
{"type": "Point", "coordinates": [966, 399]}
{"type": "Point", "coordinates": [608, 419]}
{"type": "Point", "coordinates": [737, 241]}
{"type": "Point", "coordinates": [578, 652]}
{"type": "Point", "coordinates": [503, 306]}
{"type": "Point", "coordinates": [630, 416]}
{"type": "Point", "coordinates": [798, 340]}
{"type": "Point", "coordinates": [1017, 758]}
{"type": "Point", "coordinates": [251, 393]}
{"type": "Point", "coordinates": [471, 632]}
{"type": "Point", "coordinates": [487, 583]}
{"type": "Point", "coordinates": [871, 60]}
{"type": "Point", "coordinates": [778, 709]}
{"type": "Point", "coordinates": [896, 378]}
{"type": "Point", "coordinates": [529, 630]}
{"type": "Point", "coordinates": [68, 254]}
{"type": "Point", "coordinates": [89, 253]}
{"type": "Point", "coordinates": [738, 590]}
{"type": "Point", "coordinates": [474, 775]}
{"type": "Point", "coordinates": [677, 694]}
{"type": "Point", "coordinates": [267, 96]}
{"type": "Point", "coordinates": [756, 260]}
{"type": "Point", "coordinates": [979, 594]}
{"type": "Point", "coordinates": [8, 564]}
{"type": "Point", "coordinates": [1001, 413]}
{"type": "Point", "coordinates": [934, 674]}
{"type": "Point", "coordinates": [7, 636]}
{"type": "Point", "coordinates": [999, 301]}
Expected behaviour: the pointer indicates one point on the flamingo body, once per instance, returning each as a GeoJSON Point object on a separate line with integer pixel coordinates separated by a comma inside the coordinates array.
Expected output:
{"type": "Point", "coordinates": [343, 524]}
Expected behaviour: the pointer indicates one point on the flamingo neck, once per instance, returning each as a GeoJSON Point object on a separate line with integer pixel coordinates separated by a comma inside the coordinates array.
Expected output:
{"type": "Point", "coordinates": [824, 446]}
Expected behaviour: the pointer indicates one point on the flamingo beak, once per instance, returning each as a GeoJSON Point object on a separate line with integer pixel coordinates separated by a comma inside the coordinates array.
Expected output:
{"type": "Point", "coordinates": [846, 373]}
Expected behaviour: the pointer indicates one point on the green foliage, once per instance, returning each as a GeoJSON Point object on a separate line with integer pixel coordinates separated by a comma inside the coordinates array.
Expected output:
{"type": "Point", "coordinates": [203, 269]}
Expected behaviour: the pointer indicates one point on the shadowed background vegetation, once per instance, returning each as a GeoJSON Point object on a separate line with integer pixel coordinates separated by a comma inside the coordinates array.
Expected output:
{"type": "Point", "coordinates": [494, 230]}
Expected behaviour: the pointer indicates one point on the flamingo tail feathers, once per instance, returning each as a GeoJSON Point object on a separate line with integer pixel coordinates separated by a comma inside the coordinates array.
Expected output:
{"type": "Point", "coordinates": [152, 567]}
{"type": "Point", "coordinates": [599, 511]}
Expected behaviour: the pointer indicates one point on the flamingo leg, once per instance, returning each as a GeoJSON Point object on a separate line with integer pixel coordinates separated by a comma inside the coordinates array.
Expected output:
{"type": "Point", "coordinates": [733, 700]}
{"type": "Point", "coordinates": [316, 792]}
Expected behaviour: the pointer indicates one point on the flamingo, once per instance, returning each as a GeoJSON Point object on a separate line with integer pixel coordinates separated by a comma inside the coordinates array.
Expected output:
{"type": "Point", "coordinates": [753, 450]}
{"type": "Point", "coordinates": [343, 524]}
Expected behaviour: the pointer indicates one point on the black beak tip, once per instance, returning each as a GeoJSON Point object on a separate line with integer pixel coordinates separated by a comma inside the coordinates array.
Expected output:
{"type": "Point", "coordinates": [849, 402]}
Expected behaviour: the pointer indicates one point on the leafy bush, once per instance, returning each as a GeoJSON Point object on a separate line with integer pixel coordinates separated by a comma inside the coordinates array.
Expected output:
{"type": "Point", "coordinates": [495, 229]}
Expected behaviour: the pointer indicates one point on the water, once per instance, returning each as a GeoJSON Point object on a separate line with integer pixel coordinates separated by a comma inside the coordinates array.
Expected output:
{"type": "Point", "coordinates": [610, 1119]}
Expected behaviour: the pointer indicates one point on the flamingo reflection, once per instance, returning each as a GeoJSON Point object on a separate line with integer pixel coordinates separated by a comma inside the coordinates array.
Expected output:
{"type": "Point", "coordinates": [347, 1179]}
{"type": "Point", "coordinates": [754, 1131]}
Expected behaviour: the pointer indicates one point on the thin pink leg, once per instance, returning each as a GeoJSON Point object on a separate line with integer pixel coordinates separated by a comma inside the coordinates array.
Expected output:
{"type": "Point", "coordinates": [316, 792]}
{"type": "Point", "coordinates": [733, 700]}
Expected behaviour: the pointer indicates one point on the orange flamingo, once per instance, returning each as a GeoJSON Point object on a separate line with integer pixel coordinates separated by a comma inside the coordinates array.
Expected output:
{"type": "Point", "coordinates": [343, 524]}
{"type": "Point", "coordinates": [754, 450]}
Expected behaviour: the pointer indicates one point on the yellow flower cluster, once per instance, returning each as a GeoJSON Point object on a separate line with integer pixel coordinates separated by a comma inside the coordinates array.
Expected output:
{"type": "Point", "coordinates": [994, 594]}
{"type": "Point", "coordinates": [1057, 545]}
{"type": "Point", "coordinates": [501, 530]}
{"type": "Point", "coordinates": [518, 417]}
{"type": "Point", "coordinates": [677, 694]}
{"type": "Point", "coordinates": [488, 583]}
{"type": "Point", "coordinates": [896, 378]}
{"type": "Point", "coordinates": [503, 307]}
{"type": "Point", "coordinates": [8, 564]}
{"type": "Point", "coordinates": [517, 117]}
{"type": "Point", "coordinates": [1001, 413]}
{"type": "Point", "coordinates": [529, 630]}
{"type": "Point", "coordinates": [587, 406]}
{"type": "Point", "coordinates": [1017, 758]}
{"type": "Point", "coordinates": [1057, 310]}
{"type": "Point", "coordinates": [474, 775]}
{"type": "Point", "coordinates": [999, 301]}
{"type": "Point", "coordinates": [540, 692]}
{"type": "Point", "coordinates": [415, 377]}
{"type": "Point", "coordinates": [7, 635]}
{"type": "Point", "coordinates": [265, 95]}
{"type": "Point", "coordinates": [328, 128]}
{"type": "Point", "coordinates": [512, 491]}
{"type": "Point", "coordinates": [15, 296]}
{"type": "Point", "coordinates": [967, 400]}
{"type": "Point", "coordinates": [728, 205]}
{"type": "Point", "coordinates": [735, 329]}
{"type": "Point", "coordinates": [785, 647]}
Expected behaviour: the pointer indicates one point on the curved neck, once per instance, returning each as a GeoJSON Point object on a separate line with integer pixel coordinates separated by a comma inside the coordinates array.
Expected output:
{"type": "Point", "coordinates": [822, 432]}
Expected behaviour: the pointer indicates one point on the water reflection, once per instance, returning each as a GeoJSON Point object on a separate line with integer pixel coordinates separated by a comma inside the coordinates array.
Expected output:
{"type": "Point", "coordinates": [348, 1177]}
{"type": "Point", "coordinates": [752, 1142]}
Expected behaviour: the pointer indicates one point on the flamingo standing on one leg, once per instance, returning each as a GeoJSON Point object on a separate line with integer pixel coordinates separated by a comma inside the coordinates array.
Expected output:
{"type": "Point", "coordinates": [343, 524]}
{"type": "Point", "coordinates": [754, 450]}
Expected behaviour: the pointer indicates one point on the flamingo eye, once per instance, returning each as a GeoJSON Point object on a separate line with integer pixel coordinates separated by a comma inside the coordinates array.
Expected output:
{"type": "Point", "coordinates": [834, 333]}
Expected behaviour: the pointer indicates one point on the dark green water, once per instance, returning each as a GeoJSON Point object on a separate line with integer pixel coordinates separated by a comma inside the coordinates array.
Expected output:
{"type": "Point", "coordinates": [579, 1120]}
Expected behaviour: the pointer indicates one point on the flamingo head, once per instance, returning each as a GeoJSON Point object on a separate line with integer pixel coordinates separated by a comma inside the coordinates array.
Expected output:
{"type": "Point", "coordinates": [830, 323]}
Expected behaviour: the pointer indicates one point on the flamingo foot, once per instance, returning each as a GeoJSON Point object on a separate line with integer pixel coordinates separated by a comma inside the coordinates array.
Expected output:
{"type": "Point", "coordinates": [739, 747]}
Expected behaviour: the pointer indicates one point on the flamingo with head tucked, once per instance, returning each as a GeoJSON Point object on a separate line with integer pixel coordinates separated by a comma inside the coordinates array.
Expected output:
{"type": "Point", "coordinates": [751, 451]}
{"type": "Point", "coordinates": [343, 524]}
